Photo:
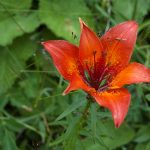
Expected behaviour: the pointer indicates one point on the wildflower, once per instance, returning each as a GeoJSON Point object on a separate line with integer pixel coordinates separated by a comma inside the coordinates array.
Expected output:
{"type": "Point", "coordinates": [100, 66]}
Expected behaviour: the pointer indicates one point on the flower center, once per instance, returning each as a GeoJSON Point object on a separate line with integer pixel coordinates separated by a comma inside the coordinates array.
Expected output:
{"type": "Point", "coordinates": [97, 74]}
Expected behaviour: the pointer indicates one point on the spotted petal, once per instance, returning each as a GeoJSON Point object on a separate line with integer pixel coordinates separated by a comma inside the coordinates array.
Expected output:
{"type": "Point", "coordinates": [119, 42]}
{"type": "Point", "coordinates": [117, 101]}
{"type": "Point", "coordinates": [90, 46]}
{"type": "Point", "coordinates": [133, 73]}
{"type": "Point", "coordinates": [65, 57]}
{"type": "Point", "coordinates": [77, 82]}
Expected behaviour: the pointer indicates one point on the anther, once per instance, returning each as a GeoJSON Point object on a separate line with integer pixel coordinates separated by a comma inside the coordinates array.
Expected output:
{"type": "Point", "coordinates": [94, 52]}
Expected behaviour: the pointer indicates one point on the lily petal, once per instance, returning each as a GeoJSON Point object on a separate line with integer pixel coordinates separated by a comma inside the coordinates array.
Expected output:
{"type": "Point", "coordinates": [117, 101]}
{"type": "Point", "coordinates": [119, 42]}
{"type": "Point", "coordinates": [90, 46]}
{"type": "Point", "coordinates": [133, 73]}
{"type": "Point", "coordinates": [64, 55]}
{"type": "Point", "coordinates": [76, 82]}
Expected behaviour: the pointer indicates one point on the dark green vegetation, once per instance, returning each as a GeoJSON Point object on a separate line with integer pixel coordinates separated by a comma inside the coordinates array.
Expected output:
{"type": "Point", "coordinates": [33, 113]}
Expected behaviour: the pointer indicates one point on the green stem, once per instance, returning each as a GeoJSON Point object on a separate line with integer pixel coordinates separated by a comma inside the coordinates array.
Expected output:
{"type": "Point", "coordinates": [85, 111]}
{"type": "Point", "coordinates": [78, 125]}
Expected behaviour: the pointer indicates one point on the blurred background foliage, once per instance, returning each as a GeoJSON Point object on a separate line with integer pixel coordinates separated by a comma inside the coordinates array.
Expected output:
{"type": "Point", "coordinates": [33, 113]}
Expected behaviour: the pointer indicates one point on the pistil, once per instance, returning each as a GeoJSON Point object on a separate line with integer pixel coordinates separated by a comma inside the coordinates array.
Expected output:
{"type": "Point", "coordinates": [94, 75]}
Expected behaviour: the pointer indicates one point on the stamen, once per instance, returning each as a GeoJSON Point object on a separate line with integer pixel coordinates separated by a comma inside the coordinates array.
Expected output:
{"type": "Point", "coordinates": [102, 88]}
{"type": "Point", "coordinates": [95, 74]}
{"type": "Point", "coordinates": [94, 54]}
{"type": "Point", "coordinates": [89, 71]}
{"type": "Point", "coordinates": [103, 74]}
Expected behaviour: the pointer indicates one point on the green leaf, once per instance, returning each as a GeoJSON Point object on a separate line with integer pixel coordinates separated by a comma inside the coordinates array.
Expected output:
{"type": "Point", "coordinates": [104, 13]}
{"type": "Point", "coordinates": [12, 61]}
{"type": "Point", "coordinates": [110, 137]}
{"type": "Point", "coordinates": [15, 5]}
{"type": "Point", "coordinates": [26, 23]}
{"type": "Point", "coordinates": [15, 125]}
{"type": "Point", "coordinates": [63, 17]}
{"type": "Point", "coordinates": [127, 10]}
{"type": "Point", "coordinates": [93, 119]}
{"type": "Point", "coordinates": [57, 141]}
{"type": "Point", "coordinates": [9, 141]}
{"type": "Point", "coordinates": [143, 146]}
{"type": "Point", "coordinates": [143, 134]}
{"type": "Point", "coordinates": [71, 108]}
{"type": "Point", "coordinates": [148, 97]}
{"type": "Point", "coordinates": [71, 134]}
{"type": "Point", "coordinates": [3, 103]}
{"type": "Point", "coordinates": [140, 146]}
{"type": "Point", "coordinates": [90, 145]}
{"type": "Point", "coordinates": [15, 22]}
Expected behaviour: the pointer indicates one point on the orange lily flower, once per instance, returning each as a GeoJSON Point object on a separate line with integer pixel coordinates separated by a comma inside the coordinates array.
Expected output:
{"type": "Point", "coordinates": [100, 66]}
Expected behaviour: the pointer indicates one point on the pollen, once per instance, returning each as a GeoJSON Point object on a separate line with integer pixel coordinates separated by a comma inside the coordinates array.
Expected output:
{"type": "Point", "coordinates": [110, 93]}
{"type": "Point", "coordinates": [72, 67]}
{"type": "Point", "coordinates": [92, 91]}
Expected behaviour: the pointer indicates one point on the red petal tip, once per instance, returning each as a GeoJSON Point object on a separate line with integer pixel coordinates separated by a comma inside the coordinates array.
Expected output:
{"type": "Point", "coordinates": [80, 20]}
{"type": "Point", "coordinates": [131, 23]}
{"type": "Point", "coordinates": [63, 94]}
{"type": "Point", "coordinates": [117, 123]}
{"type": "Point", "coordinates": [117, 101]}
{"type": "Point", "coordinates": [42, 43]}
{"type": "Point", "coordinates": [82, 23]}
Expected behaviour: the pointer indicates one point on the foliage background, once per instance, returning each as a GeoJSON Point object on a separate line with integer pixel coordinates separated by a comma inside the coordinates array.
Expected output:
{"type": "Point", "coordinates": [33, 113]}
